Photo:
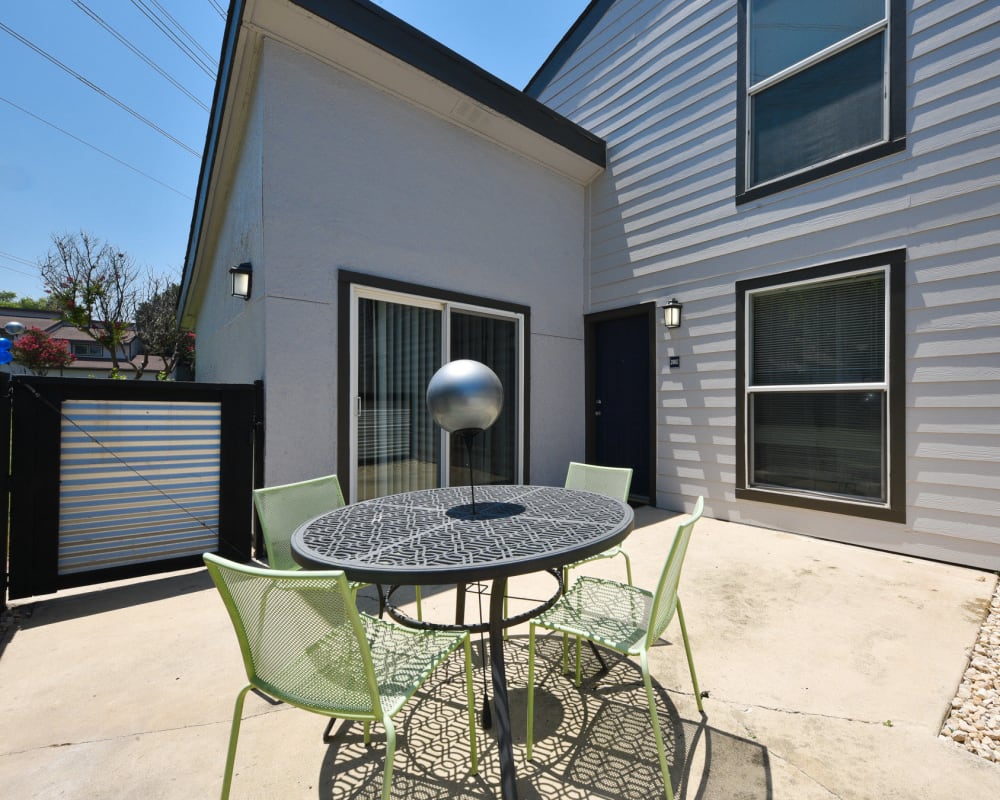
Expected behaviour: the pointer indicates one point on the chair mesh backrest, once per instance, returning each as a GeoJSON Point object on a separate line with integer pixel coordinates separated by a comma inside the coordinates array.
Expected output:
{"type": "Point", "coordinates": [300, 634]}
{"type": "Point", "coordinates": [609, 481]}
{"type": "Point", "coordinates": [665, 598]}
{"type": "Point", "coordinates": [281, 509]}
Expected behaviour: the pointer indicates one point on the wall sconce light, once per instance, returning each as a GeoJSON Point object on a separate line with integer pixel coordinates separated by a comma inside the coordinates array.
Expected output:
{"type": "Point", "coordinates": [241, 276]}
{"type": "Point", "coordinates": [672, 313]}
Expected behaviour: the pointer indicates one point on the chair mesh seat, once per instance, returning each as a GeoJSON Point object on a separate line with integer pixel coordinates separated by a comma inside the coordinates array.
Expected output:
{"type": "Point", "coordinates": [611, 613]}
{"type": "Point", "coordinates": [404, 658]}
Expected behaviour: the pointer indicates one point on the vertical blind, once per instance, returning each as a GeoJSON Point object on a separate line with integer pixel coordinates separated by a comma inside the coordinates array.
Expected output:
{"type": "Point", "coordinates": [492, 342]}
{"type": "Point", "coordinates": [139, 482]}
{"type": "Point", "coordinates": [399, 350]}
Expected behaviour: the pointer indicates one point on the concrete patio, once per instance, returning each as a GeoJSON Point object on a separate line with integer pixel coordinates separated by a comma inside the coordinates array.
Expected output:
{"type": "Point", "coordinates": [828, 668]}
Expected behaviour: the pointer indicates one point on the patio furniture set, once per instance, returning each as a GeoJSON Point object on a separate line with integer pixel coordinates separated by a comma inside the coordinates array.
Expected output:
{"type": "Point", "coordinates": [304, 641]}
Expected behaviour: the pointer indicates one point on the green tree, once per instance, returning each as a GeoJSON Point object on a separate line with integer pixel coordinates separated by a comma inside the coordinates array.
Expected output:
{"type": "Point", "coordinates": [11, 300]}
{"type": "Point", "coordinates": [94, 287]}
{"type": "Point", "coordinates": [39, 352]}
{"type": "Point", "coordinates": [157, 328]}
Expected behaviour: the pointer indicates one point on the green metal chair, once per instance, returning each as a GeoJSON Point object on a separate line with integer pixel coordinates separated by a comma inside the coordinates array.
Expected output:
{"type": "Point", "coordinates": [281, 509]}
{"type": "Point", "coordinates": [304, 642]}
{"type": "Point", "coordinates": [611, 482]}
{"type": "Point", "coordinates": [626, 619]}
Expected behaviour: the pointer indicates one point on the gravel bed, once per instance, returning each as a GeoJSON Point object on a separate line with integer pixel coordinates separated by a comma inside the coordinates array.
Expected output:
{"type": "Point", "coordinates": [974, 721]}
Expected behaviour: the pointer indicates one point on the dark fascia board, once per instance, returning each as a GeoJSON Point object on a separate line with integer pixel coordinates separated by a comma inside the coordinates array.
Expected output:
{"type": "Point", "coordinates": [230, 39]}
{"type": "Point", "coordinates": [378, 27]}
{"type": "Point", "coordinates": [381, 29]}
{"type": "Point", "coordinates": [574, 37]}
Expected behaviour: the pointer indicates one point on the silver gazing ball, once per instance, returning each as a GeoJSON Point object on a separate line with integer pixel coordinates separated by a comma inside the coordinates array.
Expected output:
{"type": "Point", "coordinates": [464, 395]}
{"type": "Point", "coordinates": [14, 328]}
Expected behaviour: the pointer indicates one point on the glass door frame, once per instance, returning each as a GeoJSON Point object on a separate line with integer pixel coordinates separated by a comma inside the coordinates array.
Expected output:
{"type": "Point", "coordinates": [362, 291]}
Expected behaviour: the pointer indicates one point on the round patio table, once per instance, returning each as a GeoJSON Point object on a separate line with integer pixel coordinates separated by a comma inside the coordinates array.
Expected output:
{"type": "Point", "coordinates": [436, 536]}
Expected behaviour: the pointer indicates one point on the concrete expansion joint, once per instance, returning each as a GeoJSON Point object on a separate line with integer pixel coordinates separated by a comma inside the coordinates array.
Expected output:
{"type": "Point", "coordinates": [749, 707]}
{"type": "Point", "coordinates": [778, 757]}
{"type": "Point", "coordinates": [134, 734]}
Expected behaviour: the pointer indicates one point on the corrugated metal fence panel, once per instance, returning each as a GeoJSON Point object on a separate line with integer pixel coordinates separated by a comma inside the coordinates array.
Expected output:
{"type": "Point", "coordinates": [139, 482]}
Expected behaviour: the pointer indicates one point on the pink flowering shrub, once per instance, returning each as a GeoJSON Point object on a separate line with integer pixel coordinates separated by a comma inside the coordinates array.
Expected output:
{"type": "Point", "coordinates": [37, 351]}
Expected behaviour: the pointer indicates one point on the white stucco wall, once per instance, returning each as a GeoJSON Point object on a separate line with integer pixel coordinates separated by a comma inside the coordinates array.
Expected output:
{"type": "Point", "coordinates": [359, 179]}
{"type": "Point", "coordinates": [230, 330]}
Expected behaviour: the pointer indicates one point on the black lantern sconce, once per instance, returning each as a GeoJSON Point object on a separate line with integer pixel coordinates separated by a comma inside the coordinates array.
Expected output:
{"type": "Point", "coordinates": [242, 279]}
{"type": "Point", "coordinates": [672, 313]}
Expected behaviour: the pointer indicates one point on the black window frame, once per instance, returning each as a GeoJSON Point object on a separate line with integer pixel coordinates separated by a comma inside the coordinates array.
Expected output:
{"type": "Point", "coordinates": [88, 351]}
{"type": "Point", "coordinates": [896, 110]}
{"type": "Point", "coordinates": [894, 509]}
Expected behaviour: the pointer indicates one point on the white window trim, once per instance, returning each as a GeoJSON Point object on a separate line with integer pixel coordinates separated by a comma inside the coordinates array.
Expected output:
{"type": "Point", "coordinates": [883, 386]}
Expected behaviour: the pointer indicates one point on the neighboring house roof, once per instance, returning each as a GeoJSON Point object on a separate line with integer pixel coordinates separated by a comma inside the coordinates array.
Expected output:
{"type": "Point", "coordinates": [52, 324]}
{"type": "Point", "coordinates": [369, 42]}
{"type": "Point", "coordinates": [584, 24]}
{"type": "Point", "coordinates": [29, 317]}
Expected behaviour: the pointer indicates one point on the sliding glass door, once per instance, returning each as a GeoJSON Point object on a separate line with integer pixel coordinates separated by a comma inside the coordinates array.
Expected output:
{"type": "Point", "coordinates": [398, 343]}
{"type": "Point", "coordinates": [493, 342]}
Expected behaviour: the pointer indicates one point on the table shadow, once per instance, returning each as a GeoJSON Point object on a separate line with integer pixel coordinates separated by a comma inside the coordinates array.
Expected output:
{"type": "Point", "coordinates": [592, 742]}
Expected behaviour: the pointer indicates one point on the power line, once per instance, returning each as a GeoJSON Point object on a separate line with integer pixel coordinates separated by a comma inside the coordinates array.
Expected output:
{"type": "Point", "coordinates": [18, 259]}
{"type": "Point", "coordinates": [165, 29]}
{"type": "Point", "coordinates": [209, 59]}
{"type": "Point", "coordinates": [98, 149]}
{"type": "Point", "coordinates": [219, 9]}
{"type": "Point", "coordinates": [100, 21]}
{"type": "Point", "coordinates": [99, 90]}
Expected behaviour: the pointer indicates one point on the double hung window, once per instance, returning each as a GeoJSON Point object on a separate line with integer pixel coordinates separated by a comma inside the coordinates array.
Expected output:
{"type": "Point", "coordinates": [821, 401]}
{"type": "Point", "coordinates": [821, 88]}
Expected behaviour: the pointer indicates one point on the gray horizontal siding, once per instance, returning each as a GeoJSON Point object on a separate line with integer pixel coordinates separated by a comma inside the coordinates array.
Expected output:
{"type": "Point", "coordinates": [657, 80]}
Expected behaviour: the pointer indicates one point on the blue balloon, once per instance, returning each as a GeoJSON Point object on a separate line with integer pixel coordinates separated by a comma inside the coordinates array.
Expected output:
{"type": "Point", "coordinates": [5, 357]}
{"type": "Point", "coordinates": [4, 343]}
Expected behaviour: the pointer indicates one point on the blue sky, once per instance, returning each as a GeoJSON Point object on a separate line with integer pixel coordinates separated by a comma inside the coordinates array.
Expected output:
{"type": "Point", "coordinates": [93, 137]}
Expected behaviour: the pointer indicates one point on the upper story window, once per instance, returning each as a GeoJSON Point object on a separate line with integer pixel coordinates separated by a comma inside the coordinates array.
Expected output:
{"type": "Point", "coordinates": [822, 88]}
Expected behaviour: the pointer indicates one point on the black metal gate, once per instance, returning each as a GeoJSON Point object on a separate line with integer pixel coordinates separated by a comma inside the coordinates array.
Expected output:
{"type": "Point", "coordinates": [113, 479]}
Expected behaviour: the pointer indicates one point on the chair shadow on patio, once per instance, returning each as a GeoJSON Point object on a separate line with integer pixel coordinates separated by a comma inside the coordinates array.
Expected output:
{"type": "Point", "coordinates": [592, 742]}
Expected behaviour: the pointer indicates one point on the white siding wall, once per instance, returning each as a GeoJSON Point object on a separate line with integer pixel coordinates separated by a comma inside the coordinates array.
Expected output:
{"type": "Point", "coordinates": [359, 179]}
{"type": "Point", "coordinates": [657, 80]}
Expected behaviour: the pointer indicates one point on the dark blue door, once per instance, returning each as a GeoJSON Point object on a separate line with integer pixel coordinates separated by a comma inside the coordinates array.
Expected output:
{"type": "Point", "coordinates": [621, 401]}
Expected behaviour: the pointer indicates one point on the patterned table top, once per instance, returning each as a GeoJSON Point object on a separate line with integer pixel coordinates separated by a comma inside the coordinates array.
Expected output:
{"type": "Point", "coordinates": [431, 536]}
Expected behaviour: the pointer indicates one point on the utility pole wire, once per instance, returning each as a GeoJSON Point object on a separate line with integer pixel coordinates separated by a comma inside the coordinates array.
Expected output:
{"type": "Point", "coordinates": [100, 21]}
{"type": "Point", "coordinates": [209, 58]}
{"type": "Point", "coordinates": [218, 9]}
{"type": "Point", "coordinates": [98, 149]}
{"type": "Point", "coordinates": [207, 68]}
{"type": "Point", "coordinates": [99, 90]}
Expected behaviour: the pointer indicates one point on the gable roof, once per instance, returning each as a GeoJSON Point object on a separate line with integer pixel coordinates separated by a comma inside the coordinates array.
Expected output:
{"type": "Point", "coordinates": [574, 37]}
{"type": "Point", "coordinates": [372, 43]}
